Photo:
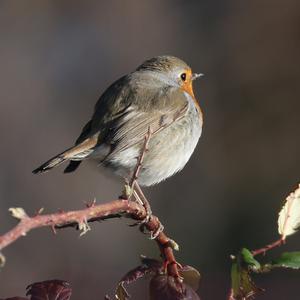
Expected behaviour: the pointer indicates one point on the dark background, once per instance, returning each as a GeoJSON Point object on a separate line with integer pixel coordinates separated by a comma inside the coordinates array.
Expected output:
{"type": "Point", "coordinates": [57, 57]}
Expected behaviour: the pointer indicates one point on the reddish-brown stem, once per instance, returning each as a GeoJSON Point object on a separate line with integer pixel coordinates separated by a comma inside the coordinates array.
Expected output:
{"type": "Point", "coordinates": [273, 245]}
{"type": "Point", "coordinates": [153, 224]}
{"type": "Point", "coordinates": [165, 246]}
{"type": "Point", "coordinates": [114, 208]}
{"type": "Point", "coordinates": [136, 210]}
{"type": "Point", "coordinates": [27, 223]}
{"type": "Point", "coordinates": [263, 251]}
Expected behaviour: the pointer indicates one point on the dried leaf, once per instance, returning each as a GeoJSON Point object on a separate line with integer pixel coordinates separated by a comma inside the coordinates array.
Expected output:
{"type": "Point", "coordinates": [148, 266]}
{"type": "Point", "coordinates": [161, 286]}
{"type": "Point", "coordinates": [164, 287]}
{"type": "Point", "coordinates": [287, 260]}
{"type": "Point", "coordinates": [49, 290]}
{"type": "Point", "coordinates": [289, 216]}
{"type": "Point", "coordinates": [191, 277]}
{"type": "Point", "coordinates": [154, 265]}
{"type": "Point", "coordinates": [121, 292]}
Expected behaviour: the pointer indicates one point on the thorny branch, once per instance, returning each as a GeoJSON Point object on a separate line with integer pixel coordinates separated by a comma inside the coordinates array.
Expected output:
{"type": "Point", "coordinates": [114, 208]}
{"type": "Point", "coordinates": [268, 247]}
{"type": "Point", "coordinates": [138, 211]}
{"type": "Point", "coordinates": [65, 219]}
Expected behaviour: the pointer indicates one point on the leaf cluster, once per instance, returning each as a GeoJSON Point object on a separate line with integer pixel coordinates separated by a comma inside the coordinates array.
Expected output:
{"type": "Point", "coordinates": [245, 263]}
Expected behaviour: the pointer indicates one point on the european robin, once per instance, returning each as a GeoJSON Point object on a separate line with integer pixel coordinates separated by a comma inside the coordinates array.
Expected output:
{"type": "Point", "coordinates": [157, 96]}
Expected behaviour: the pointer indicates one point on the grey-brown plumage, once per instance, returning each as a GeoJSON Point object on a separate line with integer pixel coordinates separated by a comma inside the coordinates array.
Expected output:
{"type": "Point", "coordinates": [154, 96]}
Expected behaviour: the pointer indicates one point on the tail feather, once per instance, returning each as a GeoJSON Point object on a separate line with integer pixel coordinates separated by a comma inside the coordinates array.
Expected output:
{"type": "Point", "coordinates": [72, 166]}
{"type": "Point", "coordinates": [50, 164]}
{"type": "Point", "coordinates": [75, 154]}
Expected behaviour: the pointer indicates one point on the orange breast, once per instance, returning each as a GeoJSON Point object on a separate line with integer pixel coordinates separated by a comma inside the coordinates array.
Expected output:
{"type": "Point", "coordinates": [188, 87]}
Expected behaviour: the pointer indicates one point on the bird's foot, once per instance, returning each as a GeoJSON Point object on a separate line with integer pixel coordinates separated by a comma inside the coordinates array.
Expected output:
{"type": "Point", "coordinates": [145, 219]}
{"type": "Point", "coordinates": [148, 214]}
{"type": "Point", "coordinates": [153, 234]}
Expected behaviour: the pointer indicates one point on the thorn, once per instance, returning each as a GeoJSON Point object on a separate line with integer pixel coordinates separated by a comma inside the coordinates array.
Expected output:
{"type": "Point", "coordinates": [174, 245]}
{"type": "Point", "coordinates": [2, 260]}
{"type": "Point", "coordinates": [90, 204]}
{"type": "Point", "coordinates": [53, 229]}
{"type": "Point", "coordinates": [18, 213]}
{"type": "Point", "coordinates": [39, 211]}
{"type": "Point", "coordinates": [84, 227]}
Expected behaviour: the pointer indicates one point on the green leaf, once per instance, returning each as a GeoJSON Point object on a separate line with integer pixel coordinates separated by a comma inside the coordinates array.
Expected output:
{"type": "Point", "coordinates": [248, 258]}
{"type": "Point", "coordinates": [288, 260]}
{"type": "Point", "coordinates": [242, 285]}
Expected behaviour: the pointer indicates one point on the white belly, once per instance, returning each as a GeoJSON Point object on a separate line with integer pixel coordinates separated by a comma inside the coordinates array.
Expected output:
{"type": "Point", "coordinates": [169, 150]}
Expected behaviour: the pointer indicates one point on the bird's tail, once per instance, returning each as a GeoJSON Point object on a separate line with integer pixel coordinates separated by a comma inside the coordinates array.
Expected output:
{"type": "Point", "coordinates": [76, 154]}
{"type": "Point", "coordinates": [50, 164]}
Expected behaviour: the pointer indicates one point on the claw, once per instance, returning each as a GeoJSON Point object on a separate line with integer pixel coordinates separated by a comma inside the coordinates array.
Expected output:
{"type": "Point", "coordinates": [155, 234]}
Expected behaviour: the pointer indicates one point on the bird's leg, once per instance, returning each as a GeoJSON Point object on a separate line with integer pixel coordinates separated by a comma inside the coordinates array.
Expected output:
{"type": "Point", "coordinates": [129, 186]}
{"type": "Point", "coordinates": [129, 192]}
{"type": "Point", "coordinates": [140, 159]}
{"type": "Point", "coordinates": [132, 187]}
{"type": "Point", "coordinates": [144, 200]}
{"type": "Point", "coordinates": [138, 193]}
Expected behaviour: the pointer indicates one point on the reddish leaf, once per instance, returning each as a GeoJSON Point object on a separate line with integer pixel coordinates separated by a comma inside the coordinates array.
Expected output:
{"type": "Point", "coordinates": [15, 298]}
{"type": "Point", "coordinates": [149, 265]}
{"type": "Point", "coordinates": [163, 287]}
{"type": "Point", "coordinates": [154, 265]}
{"type": "Point", "coordinates": [49, 290]}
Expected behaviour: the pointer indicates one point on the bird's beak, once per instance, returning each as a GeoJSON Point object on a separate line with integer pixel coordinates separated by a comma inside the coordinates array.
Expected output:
{"type": "Point", "coordinates": [196, 75]}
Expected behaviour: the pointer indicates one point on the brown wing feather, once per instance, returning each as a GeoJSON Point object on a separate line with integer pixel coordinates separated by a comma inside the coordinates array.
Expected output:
{"type": "Point", "coordinates": [127, 109]}
{"type": "Point", "coordinates": [132, 128]}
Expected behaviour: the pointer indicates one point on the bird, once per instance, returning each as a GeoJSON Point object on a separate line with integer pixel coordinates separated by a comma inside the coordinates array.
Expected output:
{"type": "Point", "coordinates": [156, 98]}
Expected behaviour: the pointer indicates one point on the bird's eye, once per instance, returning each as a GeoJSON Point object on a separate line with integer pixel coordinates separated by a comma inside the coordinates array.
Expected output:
{"type": "Point", "coordinates": [183, 76]}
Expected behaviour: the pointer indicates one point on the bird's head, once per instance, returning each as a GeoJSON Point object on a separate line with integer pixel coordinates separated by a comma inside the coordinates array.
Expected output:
{"type": "Point", "coordinates": [171, 70]}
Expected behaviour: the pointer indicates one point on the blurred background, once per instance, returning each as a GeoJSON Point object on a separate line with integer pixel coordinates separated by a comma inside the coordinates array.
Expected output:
{"type": "Point", "coordinates": [56, 59]}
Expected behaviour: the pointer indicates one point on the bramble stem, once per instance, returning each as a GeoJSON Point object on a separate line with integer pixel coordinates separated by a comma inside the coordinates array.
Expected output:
{"type": "Point", "coordinates": [273, 245]}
